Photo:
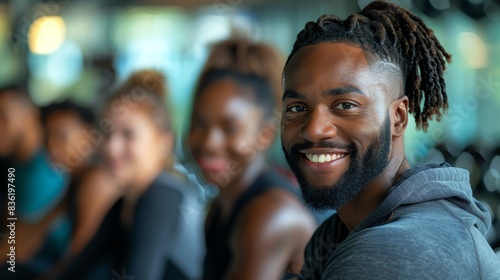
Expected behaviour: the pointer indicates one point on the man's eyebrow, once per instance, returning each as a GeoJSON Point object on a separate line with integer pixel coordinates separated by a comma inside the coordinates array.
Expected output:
{"type": "Point", "coordinates": [336, 91]}
{"type": "Point", "coordinates": [344, 90]}
{"type": "Point", "coordinates": [291, 94]}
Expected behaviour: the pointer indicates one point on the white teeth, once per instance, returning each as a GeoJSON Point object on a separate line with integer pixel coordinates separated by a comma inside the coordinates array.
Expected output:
{"type": "Point", "coordinates": [321, 158]}
{"type": "Point", "coordinates": [315, 158]}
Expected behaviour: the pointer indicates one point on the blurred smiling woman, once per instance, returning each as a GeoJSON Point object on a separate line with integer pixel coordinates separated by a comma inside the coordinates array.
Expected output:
{"type": "Point", "coordinates": [162, 242]}
{"type": "Point", "coordinates": [155, 239]}
{"type": "Point", "coordinates": [256, 228]}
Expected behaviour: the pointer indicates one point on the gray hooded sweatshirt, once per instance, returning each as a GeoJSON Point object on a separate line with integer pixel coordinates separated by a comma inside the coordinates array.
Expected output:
{"type": "Point", "coordinates": [428, 227]}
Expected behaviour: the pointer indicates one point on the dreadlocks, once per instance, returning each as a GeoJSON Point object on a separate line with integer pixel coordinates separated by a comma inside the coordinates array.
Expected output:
{"type": "Point", "coordinates": [392, 34]}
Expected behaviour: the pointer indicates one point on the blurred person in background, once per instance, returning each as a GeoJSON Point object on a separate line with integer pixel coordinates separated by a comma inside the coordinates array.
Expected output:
{"type": "Point", "coordinates": [349, 87]}
{"type": "Point", "coordinates": [68, 135]}
{"type": "Point", "coordinates": [256, 228]}
{"type": "Point", "coordinates": [155, 230]}
{"type": "Point", "coordinates": [71, 140]}
{"type": "Point", "coordinates": [42, 229]}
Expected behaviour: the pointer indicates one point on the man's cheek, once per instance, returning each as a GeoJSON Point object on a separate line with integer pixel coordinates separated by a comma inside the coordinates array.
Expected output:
{"type": "Point", "coordinates": [285, 136]}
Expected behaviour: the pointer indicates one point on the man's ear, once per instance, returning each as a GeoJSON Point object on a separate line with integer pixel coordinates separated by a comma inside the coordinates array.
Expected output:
{"type": "Point", "coordinates": [399, 116]}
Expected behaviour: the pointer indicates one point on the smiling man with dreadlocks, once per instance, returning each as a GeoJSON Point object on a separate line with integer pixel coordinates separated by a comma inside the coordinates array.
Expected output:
{"type": "Point", "coordinates": [349, 86]}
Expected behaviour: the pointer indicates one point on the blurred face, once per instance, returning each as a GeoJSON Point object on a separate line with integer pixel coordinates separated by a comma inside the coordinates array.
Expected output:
{"type": "Point", "coordinates": [65, 134]}
{"type": "Point", "coordinates": [136, 147]}
{"type": "Point", "coordinates": [336, 133]}
{"type": "Point", "coordinates": [226, 132]}
{"type": "Point", "coordinates": [13, 116]}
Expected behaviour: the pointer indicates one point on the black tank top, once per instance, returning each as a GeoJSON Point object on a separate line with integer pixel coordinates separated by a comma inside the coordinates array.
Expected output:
{"type": "Point", "coordinates": [162, 242]}
{"type": "Point", "coordinates": [219, 256]}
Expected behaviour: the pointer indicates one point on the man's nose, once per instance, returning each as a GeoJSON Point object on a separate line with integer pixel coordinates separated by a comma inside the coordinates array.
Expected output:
{"type": "Point", "coordinates": [319, 125]}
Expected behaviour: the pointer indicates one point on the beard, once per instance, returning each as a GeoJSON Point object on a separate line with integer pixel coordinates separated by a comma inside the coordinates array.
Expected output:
{"type": "Point", "coordinates": [362, 170]}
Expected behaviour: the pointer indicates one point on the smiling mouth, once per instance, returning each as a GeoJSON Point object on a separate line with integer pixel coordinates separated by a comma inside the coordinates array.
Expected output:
{"type": "Point", "coordinates": [213, 165]}
{"type": "Point", "coordinates": [322, 158]}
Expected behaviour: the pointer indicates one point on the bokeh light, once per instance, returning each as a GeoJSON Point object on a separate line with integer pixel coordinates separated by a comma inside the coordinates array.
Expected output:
{"type": "Point", "coordinates": [473, 49]}
{"type": "Point", "coordinates": [46, 34]}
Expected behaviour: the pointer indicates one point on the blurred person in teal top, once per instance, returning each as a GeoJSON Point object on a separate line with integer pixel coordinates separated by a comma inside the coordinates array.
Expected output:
{"type": "Point", "coordinates": [71, 140]}
{"type": "Point", "coordinates": [39, 187]}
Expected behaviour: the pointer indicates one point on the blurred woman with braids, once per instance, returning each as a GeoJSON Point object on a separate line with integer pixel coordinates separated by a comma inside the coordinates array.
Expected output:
{"type": "Point", "coordinates": [256, 228]}
{"type": "Point", "coordinates": [155, 230]}
{"type": "Point", "coordinates": [349, 86]}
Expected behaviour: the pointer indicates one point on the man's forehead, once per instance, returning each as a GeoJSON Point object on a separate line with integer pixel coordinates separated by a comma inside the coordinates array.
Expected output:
{"type": "Point", "coordinates": [327, 63]}
{"type": "Point", "coordinates": [327, 53]}
{"type": "Point", "coordinates": [323, 62]}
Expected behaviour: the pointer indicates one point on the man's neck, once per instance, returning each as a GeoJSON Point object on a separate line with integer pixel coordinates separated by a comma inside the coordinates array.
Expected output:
{"type": "Point", "coordinates": [353, 213]}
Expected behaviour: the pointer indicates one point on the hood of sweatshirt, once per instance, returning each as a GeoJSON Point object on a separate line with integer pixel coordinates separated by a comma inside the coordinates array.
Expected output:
{"type": "Point", "coordinates": [424, 183]}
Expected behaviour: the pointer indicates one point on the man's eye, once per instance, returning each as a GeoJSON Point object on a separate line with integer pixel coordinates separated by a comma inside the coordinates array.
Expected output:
{"type": "Point", "coordinates": [344, 106]}
{"type": "Point", "coordinates": [296, 109]}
